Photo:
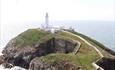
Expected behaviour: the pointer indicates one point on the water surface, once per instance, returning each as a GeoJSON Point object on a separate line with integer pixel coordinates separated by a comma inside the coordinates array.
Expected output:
{"type": "Point", "coordinates": [102, 31]}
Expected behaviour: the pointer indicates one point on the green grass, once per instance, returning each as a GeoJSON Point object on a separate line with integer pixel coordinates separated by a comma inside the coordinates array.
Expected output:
{"type": "Point", "coordinates": [83, 61]}
{"type": "Point", "coordinates": [84, 58]}
{"type": "Point", "coordinates": [30, 37]}
{"type": "Point", "coordinates": [86, 54]}
{"type": "Point", "coordinates": [97, 44]}
{"type": "Point", "coordinates": [58, 57]}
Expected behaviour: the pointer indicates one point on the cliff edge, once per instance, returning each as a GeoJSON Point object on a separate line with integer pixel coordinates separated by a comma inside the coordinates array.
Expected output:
{"type": "Point", "coordinates": [37, 49]}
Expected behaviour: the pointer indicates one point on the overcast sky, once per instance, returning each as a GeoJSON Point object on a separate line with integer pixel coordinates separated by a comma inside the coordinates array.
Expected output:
{"type": "Point", "coordinates": [34, 10]}
{"type": "Point", "coordinates": [17, 14]}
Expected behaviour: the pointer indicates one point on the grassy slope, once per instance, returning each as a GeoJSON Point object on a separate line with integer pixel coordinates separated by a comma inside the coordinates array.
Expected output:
{"type": "Point", "coordinates": [30, 37]}
{"type": "Point", "coordinates": [55, 58]}
{"type": "Point", "coordinates": [84, 57]}
{"type": "Point", "coordinates": [86, 54]}
{"type": "Point", "coordinates": [82, 60]}
{"type": "Point", "coordinates": [98, 45]}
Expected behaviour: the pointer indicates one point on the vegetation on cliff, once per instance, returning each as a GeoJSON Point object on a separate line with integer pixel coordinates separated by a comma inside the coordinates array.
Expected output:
{"type": "Point", "coordinates": [86, 54]}
{"type": "Point", "coordinates": [30, 37]}
{"type": "Point", "coordinates": [105, 51]}
{"type": "Point", "coordinates": [52, 48]}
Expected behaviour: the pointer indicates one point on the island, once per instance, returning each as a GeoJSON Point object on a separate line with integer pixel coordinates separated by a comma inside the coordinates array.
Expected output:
{"type": "Point", "coordinates": [62, 49]}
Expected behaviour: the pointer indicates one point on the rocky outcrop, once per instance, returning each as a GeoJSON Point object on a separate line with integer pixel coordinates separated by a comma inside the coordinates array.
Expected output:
{"type": "Point", "coordinates": [106, 63]}
{"type": "Point", "coordinates": [22, 56]}
{"type": "Point", "coordinates": [2, 59]}
{"type": "Point", "coordinates": [39, 64]}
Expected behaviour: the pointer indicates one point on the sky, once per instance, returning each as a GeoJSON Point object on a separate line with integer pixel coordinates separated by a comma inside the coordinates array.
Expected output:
{"type": "Point", "coordinates": [34, 10]}
{"type": "Point", "coordinates": [17, 15]}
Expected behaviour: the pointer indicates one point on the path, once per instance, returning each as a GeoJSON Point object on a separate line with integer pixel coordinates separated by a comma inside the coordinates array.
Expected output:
{"type": "Point", "coordinates": [86, 42]}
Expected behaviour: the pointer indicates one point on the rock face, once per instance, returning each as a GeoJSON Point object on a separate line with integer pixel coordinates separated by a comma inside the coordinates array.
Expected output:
{"type": "Point", "coordinates": [2, 59]}
{"type": "Point", "coordinates": [39, 64]}
{"type": "Point", "coordinates": [107, 63]}
{"type": "Point", "coordinates": [22, 56]}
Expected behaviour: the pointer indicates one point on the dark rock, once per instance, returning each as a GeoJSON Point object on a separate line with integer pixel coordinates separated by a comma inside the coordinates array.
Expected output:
{"type": "Point", "coordinates": [36, 64]}
{"type": "Point", "coordinates": [22, 55]}
{"type": "Point", "coordinates": [7, 65]}
{"type": "Point", "coordinates": [2, 59]}
{"type": "Point", "coordinates": [64, 46]}
{"type": "Point", "coordinates": [107, 63]}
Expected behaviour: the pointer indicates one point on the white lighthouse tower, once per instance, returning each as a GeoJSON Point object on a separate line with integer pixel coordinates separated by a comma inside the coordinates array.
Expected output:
{"type": "Point", "coordinates": [46, 21]}
{"type": "Point", "coordinates": [46, 26]}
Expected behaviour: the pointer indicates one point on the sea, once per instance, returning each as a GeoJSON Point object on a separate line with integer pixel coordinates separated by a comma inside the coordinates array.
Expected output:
{"type": "Point", "coordinates": [102, 31]}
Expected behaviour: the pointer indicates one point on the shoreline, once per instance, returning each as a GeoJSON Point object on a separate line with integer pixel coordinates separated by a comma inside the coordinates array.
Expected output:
{"type": "Point", "coordinates": [13, 68]}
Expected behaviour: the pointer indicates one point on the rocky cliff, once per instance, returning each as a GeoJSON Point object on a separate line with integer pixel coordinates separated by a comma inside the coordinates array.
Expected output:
{"type": "Point", "coordinates": [37, 49]}
{"type": "Point", "coordinates": [20, 52]}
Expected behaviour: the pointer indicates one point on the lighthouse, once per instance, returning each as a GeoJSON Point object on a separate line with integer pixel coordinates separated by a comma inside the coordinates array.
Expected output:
{"type": "Point", "coordinates": [46, 21]}
{"type": "Point", "coordinates": [46, 26]}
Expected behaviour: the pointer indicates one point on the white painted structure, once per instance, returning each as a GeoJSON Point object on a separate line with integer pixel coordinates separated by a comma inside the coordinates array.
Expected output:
{"type": "Point", "coordinates": [46, 21]}
{"type": "Point", "coordinates": [96, 66]}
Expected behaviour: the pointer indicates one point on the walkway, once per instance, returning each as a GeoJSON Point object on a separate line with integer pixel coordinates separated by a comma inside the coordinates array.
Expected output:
{"type": "Point", "coordinates": [86, 42]}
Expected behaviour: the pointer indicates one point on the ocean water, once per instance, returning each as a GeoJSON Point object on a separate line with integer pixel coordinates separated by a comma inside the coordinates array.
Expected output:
{"type": "Point", "coordinates": [102, 31]}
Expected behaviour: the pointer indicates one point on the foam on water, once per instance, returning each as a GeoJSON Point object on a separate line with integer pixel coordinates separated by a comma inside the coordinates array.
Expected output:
{"type": "Point", "coordinates": [14, 68]}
